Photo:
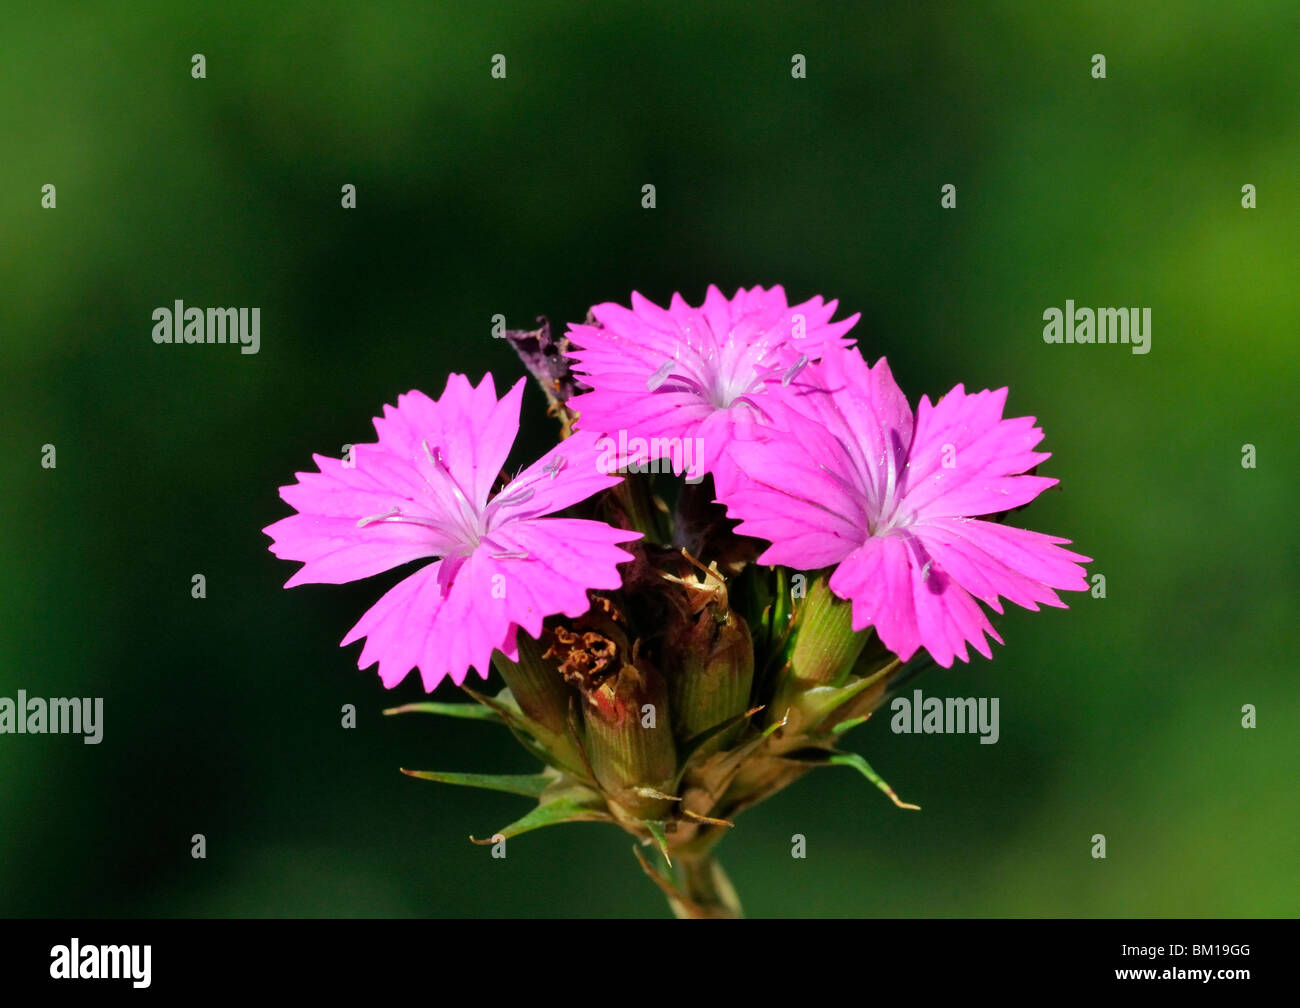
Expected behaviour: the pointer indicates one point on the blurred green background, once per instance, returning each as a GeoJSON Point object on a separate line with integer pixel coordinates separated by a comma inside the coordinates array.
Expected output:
{"type": "Point", "coordinates": [522, 197]}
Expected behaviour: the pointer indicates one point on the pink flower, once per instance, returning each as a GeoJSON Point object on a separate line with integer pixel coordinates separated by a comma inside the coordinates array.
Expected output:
{"type": "Point", "coordinates": [424, 490]}
{"type": "Point", "coordinates": [855, 481]}
{"type": "Point", "coordinates": [701, 373]}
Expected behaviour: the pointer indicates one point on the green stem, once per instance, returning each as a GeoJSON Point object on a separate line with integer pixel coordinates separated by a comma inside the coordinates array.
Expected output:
{"type": "Point", "coordinates": [636, 500]}
{"type": "Point", "coordinates": [700, 889]}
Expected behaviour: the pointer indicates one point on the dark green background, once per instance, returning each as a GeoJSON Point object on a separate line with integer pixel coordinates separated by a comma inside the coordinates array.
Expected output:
{"type": "Point", "coordinates": [522, 196]}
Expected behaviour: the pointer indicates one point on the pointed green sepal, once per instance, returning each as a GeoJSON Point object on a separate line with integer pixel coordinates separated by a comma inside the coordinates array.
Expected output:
{"type": "Point", "coordinates": [844, 726]}
{"type": "Point", "coordinates": [814, 706]}
{"type": "Point", "coordinates": [552, 749]}
{"type": "Point", "coordinates": [733, 758]}
{"type": "Point", "coordinates": [470, 711]}
{"type": "Point", "coordinates": [656, 828]}
{"type": "Point", "coordinates": [528, 785]}
{"type": "Point", "coordinates": [692, 746]}
{"type": "Point", "coordinates": [562, 810]}
{"type": "Point", "coordinates": [863, 767]}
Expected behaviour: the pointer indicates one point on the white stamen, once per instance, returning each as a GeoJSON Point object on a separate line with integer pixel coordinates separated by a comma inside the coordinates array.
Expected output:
{"type": "Point", "coordinates": [518, 496]}
{"type": "Point", "coordinates": [660, 376]}
{"type": "Point", "coordinates": [362, 523]}
{"type": "Point", "coordinates": [798, 366]}
{"type": "Point", "coordinates": [510, 556]}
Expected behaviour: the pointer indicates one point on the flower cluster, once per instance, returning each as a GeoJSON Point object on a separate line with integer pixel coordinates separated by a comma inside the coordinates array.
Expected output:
{"type": "Point", "coordinates": [678, 649]}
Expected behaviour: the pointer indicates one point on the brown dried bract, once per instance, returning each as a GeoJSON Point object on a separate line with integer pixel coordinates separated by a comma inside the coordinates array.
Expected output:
{"type": "Point", "coordinates": [585, 659]}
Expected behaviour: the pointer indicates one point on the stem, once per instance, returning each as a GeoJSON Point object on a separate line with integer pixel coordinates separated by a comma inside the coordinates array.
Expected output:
{"type": "Point", "coordinates": [636, 499]}
{"type": "Point", "coordinates": [703, 890]}
{"type": "Point", "coordinates": [698, 888]}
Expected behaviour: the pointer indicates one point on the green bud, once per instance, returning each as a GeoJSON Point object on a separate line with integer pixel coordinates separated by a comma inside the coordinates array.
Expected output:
{"type": "Point", "coordinates": [715, 674]}
{"type": "Point", "coordinates": [536, 684]}
{"type": "Point", "coordinates": [825, 645]}
{"type": "Point", "coordinates": [628, 737]}
{"type": "Point", "coordinates": [630, 740]}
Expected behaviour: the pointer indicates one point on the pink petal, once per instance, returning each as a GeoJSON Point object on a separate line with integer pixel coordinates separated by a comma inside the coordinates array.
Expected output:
{"type": "Point", "coordinates": [722, 355]}
{"type": "Point", "coordinates": [865, 409]}
{"type": "Point", "coordinates": [401, 626]}
{"type": "Point", "coordinates": [989, 560]}
{"type": "Point", "coordinates": [467, 428]}
{"type": "Point", "coordinates": [789, 493]}
{"type": "Point", "coordinates": [910, 601]}
{"type": "Point", "coordinates": [552, 564]}
{"type": "Point", "coordinates": [570, 472]}
{"type": "Point", "coordinates": [518, 576]}
{"type": "Point", "coordinates": [984, 455]}
{"type": "Point", "coordinates": [443, 632]}
{"type": "Point", "coordinates": [616, 408]}
{"type": "Point", "coordinates": [324, 535]}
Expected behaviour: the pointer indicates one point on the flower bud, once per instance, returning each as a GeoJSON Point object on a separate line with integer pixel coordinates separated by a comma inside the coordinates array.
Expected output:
{"type": "Point", "coordinates": [630, 742]}
{"type": "Point", "coordinates": [825, 645]}
{"type": "Point", "coordinates": [714, 668]}
{"type": "Point", "coordinates": [536, 684]}
{"type": "Point", "coordinates": [628, 738]}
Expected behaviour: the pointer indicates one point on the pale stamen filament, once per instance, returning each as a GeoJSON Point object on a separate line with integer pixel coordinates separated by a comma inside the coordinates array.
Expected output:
{"type": "Point", "coordinates": [798, 366]}
{"type": "Point", "coordinates": [469, 516]}
{"type": "Point", "coordinates": [394, 516]}
{"type": "Point", "coordinates": [660, 376]}
{"type": "Point", "coordinates": [517, 496]}
{"type": "Point", "coordinates": [390, 513]}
